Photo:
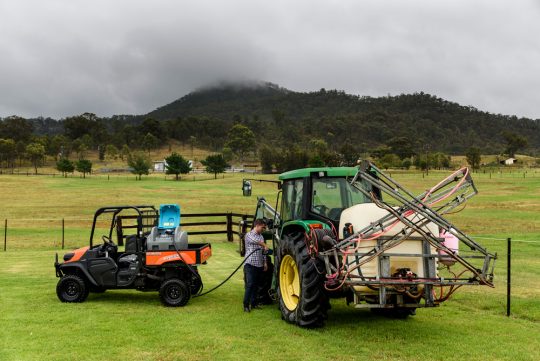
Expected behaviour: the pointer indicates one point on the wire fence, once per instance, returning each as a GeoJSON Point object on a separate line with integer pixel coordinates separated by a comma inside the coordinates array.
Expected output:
{"type": "Point", "coordinates": [512, 274]}
{"type": "Point", "coordinates": [197, 173]}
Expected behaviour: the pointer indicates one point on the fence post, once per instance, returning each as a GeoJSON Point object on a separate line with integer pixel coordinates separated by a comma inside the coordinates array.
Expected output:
{"type": "Point", "coordinates": [508, 276]}
{"type": "Point", "coordinates": [63, 228]}
{"type": "Point", "coordinates": [242, 235]}
{"type": "Point", "coordinates": [5, 235]}
{"type": "Point", "coordinates": [229, 227]}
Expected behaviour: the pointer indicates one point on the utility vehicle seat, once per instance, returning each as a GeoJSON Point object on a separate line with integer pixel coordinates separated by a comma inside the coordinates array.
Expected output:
{"type": "Point", "coordinates": [126, 260]}
{"type": "Point", "coordinates": [131, 243]}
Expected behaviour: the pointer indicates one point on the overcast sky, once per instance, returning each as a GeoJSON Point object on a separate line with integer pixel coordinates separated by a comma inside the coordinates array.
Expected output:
{"type": "Point", "coordinates": [62, 58]}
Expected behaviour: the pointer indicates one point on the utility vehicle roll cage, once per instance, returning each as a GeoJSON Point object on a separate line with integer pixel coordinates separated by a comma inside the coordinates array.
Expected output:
{"type": "Point", "coordinates": [142, 211]}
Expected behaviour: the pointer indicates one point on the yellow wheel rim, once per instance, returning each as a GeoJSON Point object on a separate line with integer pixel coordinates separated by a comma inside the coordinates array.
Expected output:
{"type": "Point", "coordinates": [289, 282]}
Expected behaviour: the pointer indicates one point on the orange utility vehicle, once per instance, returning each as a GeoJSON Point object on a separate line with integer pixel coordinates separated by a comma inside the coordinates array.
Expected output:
{"type": "Point", "coordinates": [157, 257]}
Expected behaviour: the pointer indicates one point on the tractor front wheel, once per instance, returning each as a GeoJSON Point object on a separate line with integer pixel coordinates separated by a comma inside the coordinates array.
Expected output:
{"type": "Point", "coordinates": [174, 293]}
{"type": "Point", "coordinates": [72, 288]}
{"type": "Point", "coordinates": [302, 298]}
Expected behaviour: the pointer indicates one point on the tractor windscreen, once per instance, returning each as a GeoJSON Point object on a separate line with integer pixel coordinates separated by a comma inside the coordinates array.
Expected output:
{"type": "Point", "coordinates": [330, 196]}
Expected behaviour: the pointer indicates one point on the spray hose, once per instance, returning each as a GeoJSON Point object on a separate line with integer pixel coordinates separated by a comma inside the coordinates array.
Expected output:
{"type": "Point", "coordinates": [196, 274]}
{"type": "Point", "coordinates": [226, 279]}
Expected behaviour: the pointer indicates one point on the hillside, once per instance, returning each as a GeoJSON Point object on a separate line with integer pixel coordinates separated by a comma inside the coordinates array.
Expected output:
{"type": "Point", "coordinates": [280, 116]}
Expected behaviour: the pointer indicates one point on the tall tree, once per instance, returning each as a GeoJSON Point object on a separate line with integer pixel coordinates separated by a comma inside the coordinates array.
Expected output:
{"type": "Point", "coordinates": [150, 142]}
{"type": "Point", "coordinates": [124, 152]}
{"type": "Point", "coordinates": [176, 164]}
{"type": "Point", "coordinates": [215, 164]}
{"type": "Point", "coordinates": [514, 142]}
{"type": "Point", "coordinates": [111, 152]}
{"type": "Point", "coordinates": [59, 147]}
{"type": "Point", "coordinates": [349, 154]}
{"type": "Point", "coordinates": [403, 147]}
{"type": "Point", "coordinates": [473, 156]}
{"type": "Point", "coordinates": [266, 156]}
{"type": "Point", "coordinates": [151, 126]}
{"type": "Point", "coordinates": [241, 140]}
{"type": "Point", "coordinates": [35, 152]}
{"type": "Point", "coordinates": [139, 163]}
{"type": "Point", "coordinates": [16, 128]}
{"type": "Point", "coordinates": [8, 152]}
{"type": "Point", "coordinates": [85, 124]}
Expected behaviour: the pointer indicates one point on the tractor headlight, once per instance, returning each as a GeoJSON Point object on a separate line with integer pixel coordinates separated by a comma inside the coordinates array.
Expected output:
{"type": "Point", "coordinates": [68, 256]}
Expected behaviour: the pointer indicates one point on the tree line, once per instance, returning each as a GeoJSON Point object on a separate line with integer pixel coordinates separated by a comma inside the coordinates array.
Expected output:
{"type": "Point", "coordinates": [281, 129]}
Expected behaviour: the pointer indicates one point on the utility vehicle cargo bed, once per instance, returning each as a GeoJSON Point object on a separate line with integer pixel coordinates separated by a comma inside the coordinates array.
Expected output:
{"type": "Point", "coordinates": [196, 253]}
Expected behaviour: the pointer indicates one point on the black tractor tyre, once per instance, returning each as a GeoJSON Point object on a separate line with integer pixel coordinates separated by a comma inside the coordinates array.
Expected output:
{"type": "Point", "coordinates": [72, 288]}
{"type": "Point", "coordinates": [312, 301]}
{"type": "Point", "coordinates": [174, 293]}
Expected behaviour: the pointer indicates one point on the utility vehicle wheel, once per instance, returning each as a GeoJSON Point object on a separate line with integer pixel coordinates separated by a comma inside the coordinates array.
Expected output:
{"type": "Point", "coordinates": [71, 288]}
{"type": "Point", "coordinates": [302, 298]}
{"type": "Point", "coordinates": [174, 293]}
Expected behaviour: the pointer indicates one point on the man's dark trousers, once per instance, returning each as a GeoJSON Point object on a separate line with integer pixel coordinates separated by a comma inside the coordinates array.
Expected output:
{"type": "Point", "coordinates": [253, 279]}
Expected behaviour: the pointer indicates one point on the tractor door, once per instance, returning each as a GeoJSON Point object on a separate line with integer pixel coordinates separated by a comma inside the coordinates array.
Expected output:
{"type": "Point", "coordinates": [292, 205]}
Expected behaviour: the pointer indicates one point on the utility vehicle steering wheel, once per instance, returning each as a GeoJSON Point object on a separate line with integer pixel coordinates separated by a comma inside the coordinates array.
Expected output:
{"type": "Point", "coordinates": [108, 245]}
{"type": "Point", "coordinates": [107, 240]}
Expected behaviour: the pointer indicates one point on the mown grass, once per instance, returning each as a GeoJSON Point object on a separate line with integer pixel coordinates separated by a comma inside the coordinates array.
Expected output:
{"type": "Point", "coordinates": [120, 325]}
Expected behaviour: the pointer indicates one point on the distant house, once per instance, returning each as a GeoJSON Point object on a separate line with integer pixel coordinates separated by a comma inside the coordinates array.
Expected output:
{"type": "Point", "coordinates": [159, 166]}
{"type": "Point", "coordinates": [509, 161]}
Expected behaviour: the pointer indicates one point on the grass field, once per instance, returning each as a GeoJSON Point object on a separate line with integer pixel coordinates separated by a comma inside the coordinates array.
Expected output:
{"type": "Point", "coordinates": [130, 325]}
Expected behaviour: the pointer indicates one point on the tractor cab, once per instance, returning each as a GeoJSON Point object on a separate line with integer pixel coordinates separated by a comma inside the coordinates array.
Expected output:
{"type": "Point", "coordinates": [320, 194]}
{"type": "Point", "coordinates": [311, 196]}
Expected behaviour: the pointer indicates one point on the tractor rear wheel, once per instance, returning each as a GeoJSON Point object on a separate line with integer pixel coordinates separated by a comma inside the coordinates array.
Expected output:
{"type": "Point", "coordinates": [174, 293]}
{"type": "Point", "coordinates": [302, 298]}
{"type": "Point", "coordinates": [72, 288]}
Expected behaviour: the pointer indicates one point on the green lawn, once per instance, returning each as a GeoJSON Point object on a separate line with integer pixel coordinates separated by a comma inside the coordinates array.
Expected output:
{"type": "Point", "coordinates": [130, 325]}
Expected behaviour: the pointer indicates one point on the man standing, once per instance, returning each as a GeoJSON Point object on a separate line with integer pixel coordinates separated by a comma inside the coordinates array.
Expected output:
{"type": "Point", "coordinates": [255, 263]}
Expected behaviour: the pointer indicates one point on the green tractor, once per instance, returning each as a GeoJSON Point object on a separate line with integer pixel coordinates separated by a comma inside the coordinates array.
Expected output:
{"type": "Point", "coordinates": [354, 232]}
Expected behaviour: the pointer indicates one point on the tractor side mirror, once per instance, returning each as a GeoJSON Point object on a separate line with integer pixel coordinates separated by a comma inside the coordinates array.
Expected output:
{"type": "Point", "coordinates": [246, 188]}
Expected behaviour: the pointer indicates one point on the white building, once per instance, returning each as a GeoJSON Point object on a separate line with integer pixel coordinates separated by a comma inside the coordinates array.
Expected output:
{"type": "Point", "coordinates": [509, 161]}
{"type": "Point", "coordinates": [159, 165]}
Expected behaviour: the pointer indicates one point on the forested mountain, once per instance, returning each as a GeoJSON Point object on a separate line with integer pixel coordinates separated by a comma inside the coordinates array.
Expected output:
{"type": "Point", "coordinates": [321, 122]}
{"type": "Point", "coordinates": [281, 116]}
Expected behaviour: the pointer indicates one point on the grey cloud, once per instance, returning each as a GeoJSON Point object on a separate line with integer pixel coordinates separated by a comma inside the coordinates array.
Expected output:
{"type": "Point", "coordinates": [128, 57]}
